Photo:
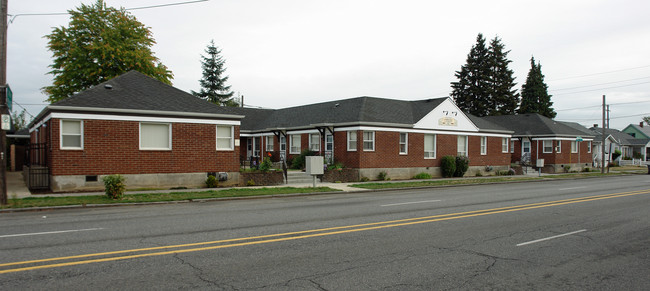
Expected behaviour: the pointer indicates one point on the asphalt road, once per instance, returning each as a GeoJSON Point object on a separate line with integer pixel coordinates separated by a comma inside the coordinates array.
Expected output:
{"type": "Point", "coordinates": [575, 234]}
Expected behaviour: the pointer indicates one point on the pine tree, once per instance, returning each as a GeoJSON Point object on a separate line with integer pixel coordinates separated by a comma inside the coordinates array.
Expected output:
{"type": "Point", "coordinates": [100, 43]}
{"type": "Point", "coordinates": [213, 85]}
{"type": "Point", "coordinates": [534, 93]}
{"type": "Point", "coordinates": [503, 99]}
{"type": "Point", "coordinates": [470, 93]}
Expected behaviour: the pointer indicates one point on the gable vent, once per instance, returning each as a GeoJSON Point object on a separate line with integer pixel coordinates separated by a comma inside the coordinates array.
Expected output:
{"type": "Point", "coordinates": [108, 86]}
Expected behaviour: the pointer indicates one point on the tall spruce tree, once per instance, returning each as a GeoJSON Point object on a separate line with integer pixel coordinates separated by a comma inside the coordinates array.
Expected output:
{"type": "Point", "coordinates": [213, 85]}
{"type": "Point", "coordinates": [503, 99]}
{"type": "Point", "coordinates": [471, 91]}
{"type": "Point", "coordinates": [534, 93]}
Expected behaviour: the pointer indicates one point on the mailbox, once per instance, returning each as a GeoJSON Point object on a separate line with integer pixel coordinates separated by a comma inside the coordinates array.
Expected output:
{"type": "Point", "coordinates": [540, 163]}
{"type": "Point", "coordinates": [314, 165]}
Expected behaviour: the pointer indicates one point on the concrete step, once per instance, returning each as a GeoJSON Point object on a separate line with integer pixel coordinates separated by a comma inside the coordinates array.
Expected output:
{"type": "Point", "coordinates": [294, 177]}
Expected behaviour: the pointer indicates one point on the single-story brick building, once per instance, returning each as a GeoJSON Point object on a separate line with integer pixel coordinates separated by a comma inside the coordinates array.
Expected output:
{"type": "Point", "coordinates": [152, 133]}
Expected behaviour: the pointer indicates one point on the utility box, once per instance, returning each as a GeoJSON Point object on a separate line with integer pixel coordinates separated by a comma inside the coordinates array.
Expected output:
{"type": "Point", "coordinates": [314, 165]}
{"type": "Point", "coordinates": [540, 163]}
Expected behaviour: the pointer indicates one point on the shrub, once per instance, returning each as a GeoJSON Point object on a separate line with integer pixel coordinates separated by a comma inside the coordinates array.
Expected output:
{"type": "Point", "coordinates": [616, 154]}
{"type": "Point", "coordinates": [299, 161]}
{"type": "Point", "coordinates": [114, 186]}
{"type": "Point", "coordinates": [266, 165]}
{"type": "Point", "coordinates": [479, 174]}
{"type": "Point", "coordinates": [509, 172]}
{"type": "Point", "coordinates": [462, 165]}
{"type": "Point", "coordinates": [382, 176]}
{"type": "Point", "coordinates": [422, 175]}
{"type": "Point", "coordinates": [448, 166]}
{"type": "Point", "coordinates": [567, 169]}
{"type": "Point", "coordinates": [335, 166]}
{"type": "Point", "coordinates": [586, 170]}
{"type": "Point", "coordinates": [250, 183]}
{"type": "Point", "coordinates": [211, 182]}
{"type": "Point", "coordinates": [364, 179]}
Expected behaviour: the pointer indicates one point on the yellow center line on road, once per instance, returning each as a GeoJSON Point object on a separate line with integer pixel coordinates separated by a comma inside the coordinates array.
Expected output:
{"type": "Point", "coordinates": [302, 234]}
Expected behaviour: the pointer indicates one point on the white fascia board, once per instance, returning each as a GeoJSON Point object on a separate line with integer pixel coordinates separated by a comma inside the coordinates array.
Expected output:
{"type": "Point", "coordinates": [40, 123]}
{"type": "Point", "coordinates": [561, 138]}
{"type": "Point", "coordinates": [256, 134]}
{"type": "Point", "coordinates": [412, 130]}
{"type": "Point", "coordinates": [80, 116]}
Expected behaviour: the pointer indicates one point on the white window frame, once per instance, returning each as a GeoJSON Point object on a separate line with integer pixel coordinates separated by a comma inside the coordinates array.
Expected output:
{"type": "Point", "coordinates": [466, 152]}
{"type": "Point", "coordinates": [329, 142]}
{"type": "Point", "coordinates": [283, 143]}
{"type": "Point", "coordinates": [371, 141]}
{"type": "Point", "coordinates": [269, 143]}
{"type": "Point", "coordinates": [544, 142]}
{"type": "Point", "coordinates": [292, 147]}
{"type": "Point", "coordinates": [231, 143]}
{"type": "Point", "coordinates": [559, 146]}
{"type": "Point", "coordinates": [504, 145]}
{"type": "Point", "coordinates": [352, 143]}
{"type": "Point", "coordinates": [403, 143]}
{"type": "Point", "coordinates": [314, 146]}
{"type": "Point", "coordinates": [169, 142]}
{"type": "Point", "coordinates": [512, 146]}
{"type": "Point", "coordinates": [589, 148]}
{"type": "Point", "coordinates": [80, 134]}
{"type": "Point", "coordinates": [574, 147]}
{"type": "Point", "coordinates": [430, 154]}
{"type": "Point", "coordinates": [484, 145]}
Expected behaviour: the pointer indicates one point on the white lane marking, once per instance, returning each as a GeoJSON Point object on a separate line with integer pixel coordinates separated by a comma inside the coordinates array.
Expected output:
{"type": "Point", "coordinates": [415, 202]}
{"type": "Point", "coordinates": [572, 188]}
{"type": "Point", "coordinates": [550, 237]}
{"type": "Point", "coordinates": [49, 232]}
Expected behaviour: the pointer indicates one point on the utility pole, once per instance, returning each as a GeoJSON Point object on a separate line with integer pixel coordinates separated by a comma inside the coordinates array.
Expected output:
{"type": "Point", "coordinates": [608, 116]}
{"type": "Point", "coordinates": [602, 148]}
{"type": "Point", "coordinates": [3, 100]}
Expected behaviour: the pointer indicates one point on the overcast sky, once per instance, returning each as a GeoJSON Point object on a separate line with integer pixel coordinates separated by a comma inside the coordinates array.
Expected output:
{"type": "Point", "coordinates": [294, 52]}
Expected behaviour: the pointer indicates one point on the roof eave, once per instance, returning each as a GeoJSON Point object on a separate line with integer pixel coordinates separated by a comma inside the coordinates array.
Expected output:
{"type": "Point", "coordinates": [140, 111]}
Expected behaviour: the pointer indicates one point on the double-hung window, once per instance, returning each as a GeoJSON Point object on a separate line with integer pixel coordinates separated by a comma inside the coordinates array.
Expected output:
{"type": "Point", "coordinates": [269, 143]}
{"type": "Point", "coordinates": [155, 136]}
{"type": "Point", "coordinates": [484, 145]}
{"type": "Point", "coordinates": [548, 146]}
{"type": "Point", "coordinates": [72, 135]}
{"type": "Point", "coordinates": [329, 142]}
{"type": "Point", "coordinates": [314, 142]}
{"type": "Point", "coordinates": [512, 146]}
{"type": "Point", "coordinates": [429, 146]}
{"type": "Point", "coordinates": [504, 144]}
{"type": "Point", "coordinates": [589, 147]}
{"type": "Point", "coordinates": [462, 145]}
{"type": "Point", "coordinates": [369, 141]}
{"type": "Point", "coordinates": [283, 143]}
{"type": "Point", "coordinates": [352, 141]}
{"type": "Point", "coordinates": [225, 140]}
{"type": "Point", "coordinates": [294, 144]}
{"type": "Point", "coordinates": [403, 143]}
{"type": "Point", "coordinates": [574, 147]}
{"type": "Point", "coordinates": [559, 146]}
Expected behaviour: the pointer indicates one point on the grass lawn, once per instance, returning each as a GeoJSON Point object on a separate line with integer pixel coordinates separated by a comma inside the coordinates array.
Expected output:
{"type": "Point", "coordinates": [157, 197]}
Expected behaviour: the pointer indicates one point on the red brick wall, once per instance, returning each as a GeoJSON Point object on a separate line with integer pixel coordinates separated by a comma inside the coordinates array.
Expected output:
{"type": "Point", "coordinates": [112, 147]}
{"type": "Point", "coordinates": [563, 157]}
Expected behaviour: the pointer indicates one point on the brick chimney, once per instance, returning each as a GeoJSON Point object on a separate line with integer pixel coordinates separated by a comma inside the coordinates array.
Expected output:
{"type": "Point", "coordinates": [641, 124]}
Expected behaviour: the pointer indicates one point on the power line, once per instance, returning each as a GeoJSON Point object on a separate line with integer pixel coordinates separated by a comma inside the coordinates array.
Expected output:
{"type": "Point", "coordinates": [13, 16]}
{"type": "Point", "coordinates": [593, 106]}
{"type": "Point", "coordinates": [598, 119]}
{"type": "Point", "coordinates": [599, 89]}
{"type": "Point", "coordinates": [586, 86]}
{"type": "Point", "coordinates": [601, 73]}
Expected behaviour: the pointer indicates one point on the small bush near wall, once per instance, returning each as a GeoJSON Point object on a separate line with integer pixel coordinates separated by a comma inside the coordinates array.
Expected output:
{"type": "Point", "coordinates": [422, 175]}
{"type": "Point", "coordinates": [448, 166]}
{"type": "Point", "coordinates": [261, 179]}
{"type": "Point", "coordinates": [382, 176]}
{"type": "Point", "coordinates": [298, 162]}
{"type": "Point", "coordinates": [114, 186]}
{"type": "Point", "coordinates": [462, 165]}
{"type": "Point", "coordinates": [211, 182]}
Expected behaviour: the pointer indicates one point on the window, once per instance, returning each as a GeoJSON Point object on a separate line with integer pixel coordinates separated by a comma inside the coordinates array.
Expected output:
{"type": "Point", "coordinates": [329, 142]}
{"type": "Point", "coordinates": [283, 143]}
{"type": "Point", "coordinates": [589, 147]}
{"type": "Point", "coordinates": [429, 146]}
{"type": "Point", "coordinates": [403, 143]}
{"type": "Point", "coordinates": [574, 147]}
{"type": "Point", "coordinates": [352, 140]}
{"type": "Point", "coordinates": [314, 142]}
{"type": "Point", "coordinates": [504, 144]}
{"type": "Point", "coordinates": [462, 145]}
{"type": "Point", "coordinates": [269, 143]}
{"type": "Point", "coordinates": [548, 146]}
{"type": "Point", "coordinates": [156, 136]}
{"type": "Point", "coordinates": [368, 140]}
{"type": "Point", "coordinates": [225, 138]}
{"type": "Point", "coordinates": [294, 144]}
{"type": "Point", "coordinates": [484, 145]}
{"type": "Point", "coordinates": [512, 146]}
{"type": "Point", "coordinates": [559, 146]}
{"type": "Point", "coordinates": [72, 134]}
{"type": "Point", "coordinates": [526, 146]}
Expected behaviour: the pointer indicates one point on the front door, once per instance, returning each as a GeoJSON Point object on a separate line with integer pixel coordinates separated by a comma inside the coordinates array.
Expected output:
{"type": "Point", "coordinates": [525, 151]}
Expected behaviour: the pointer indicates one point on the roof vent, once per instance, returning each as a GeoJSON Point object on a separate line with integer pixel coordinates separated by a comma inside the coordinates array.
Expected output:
{"type": "Point", "coordinates": [108, 86]}
{"type": "Point", "coordinates": [336, 105]}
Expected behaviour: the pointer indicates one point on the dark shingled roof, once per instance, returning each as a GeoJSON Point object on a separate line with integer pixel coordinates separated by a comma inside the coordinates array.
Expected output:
{"type": "Point", "coordinates": [533, 124]}
{"type": "Point", "coordinates": [485, 125]}
{"type": "Point", "coordinates": [620, 137]}
{"type": "Point", "coordinates": [136, 91]}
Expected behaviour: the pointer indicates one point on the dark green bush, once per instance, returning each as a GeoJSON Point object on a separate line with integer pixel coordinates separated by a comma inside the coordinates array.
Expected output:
{"type": "Point", "coordinates": [462, 165]}
{"type": "Point", "coordinates": [266, 165]}
{"type": "Point", "coordinates": [616, 154]}
{"type": "Point", "coordinates": [211, 182]}
{"type": "Point", "coordinates": [114, 186]}
{"type": "Point", "coordinates": [448, 166]}
{"type": "Point", "coordinates": [382, 176]}
{"type": "Point", "coordinates": [422, 175]}
{"type": "Point", "coordinates": [364, 179]}
{"type": "Point", "coordinates": [298, 162]}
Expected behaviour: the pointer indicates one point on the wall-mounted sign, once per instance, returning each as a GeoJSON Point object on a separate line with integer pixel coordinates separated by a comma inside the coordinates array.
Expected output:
{"type": "Point", "coordinates": [448, 121]}
{"type": "Point", "coordinates": [6, 122]}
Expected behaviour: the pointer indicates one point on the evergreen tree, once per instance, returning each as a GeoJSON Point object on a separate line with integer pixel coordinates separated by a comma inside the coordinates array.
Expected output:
{"type": "Point", "coordinates": [534, 93]}
{"type": "Point", "coordinates": [503, 99]}
{"type": "Point", "coordinates": [213, 85]}
{"type": "Point", "coordinates": [99, 44]}
{"type": "Point", "coordinates": [470, 93]}
{"type": "Point", "coordinates": [19, 120]}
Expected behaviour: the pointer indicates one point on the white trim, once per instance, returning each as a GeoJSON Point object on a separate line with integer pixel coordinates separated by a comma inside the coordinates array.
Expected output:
{"type": "Point", "coordinates": [484, 146]}
{"type": "Point", "coordinates": [232, 138]}
{"type": "Point", "coordinates": [559, 147]}
{"type": "Point", "coordinates": [267, 143]}
{"type": "Point", "coordinates": [81, 135]}
{"type": "Point", "coordinates": [577, 146]}
{"type": "Point", "coordinates": [310, 131]}
{"type": "Point", "coordinates": [406, 143]}
{"type": "Point", "coordinates": [507, 141]}
{"type": "Point", "coordinates": [141, 118]}
{"type": "Point", "coordinates": [544, 146]}
{"type": "Point", "coordinates": [435, 143]}
{"type": "Point", "coordinates": [356, 140]}
{"type": "Point", "coordinates": [363, 144]}
{"type": "Point", "coordinates": [559, 138]}
{"type": "Point", "coordinates": [443, 132]}
{"type": "Point", "coordinates": [142, 111]}
{"type": "Point", "coordinates": [169, 126]}
{"type": "Point", "coordinates": [466, 145]}
{"type": "Point", "coordinates": [291, 144]}
{"type": "Point", "coordinates": [311, 144]}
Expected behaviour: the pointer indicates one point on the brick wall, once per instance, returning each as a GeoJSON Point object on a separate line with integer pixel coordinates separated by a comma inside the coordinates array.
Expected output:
{"type": "Point", "coordinates": [113, 147]}
{"type": "Point", "coordinates": [563, 157]}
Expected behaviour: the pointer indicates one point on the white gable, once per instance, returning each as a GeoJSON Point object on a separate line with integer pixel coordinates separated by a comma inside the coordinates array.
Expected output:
{"type": "Point", "coordinates": [446, 116]}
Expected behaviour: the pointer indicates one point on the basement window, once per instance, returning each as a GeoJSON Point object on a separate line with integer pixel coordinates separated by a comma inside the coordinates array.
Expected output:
{"type": "Point", "coordinates": [91, 178]}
